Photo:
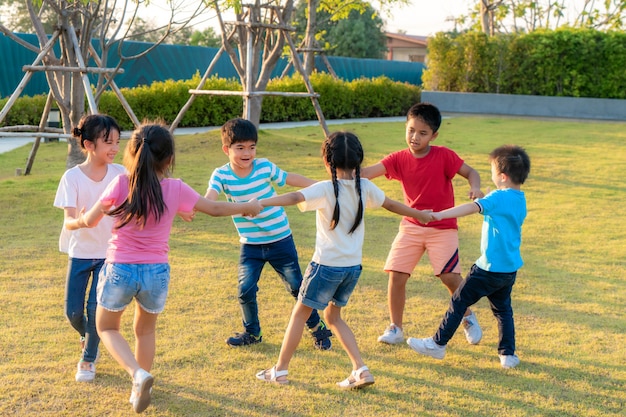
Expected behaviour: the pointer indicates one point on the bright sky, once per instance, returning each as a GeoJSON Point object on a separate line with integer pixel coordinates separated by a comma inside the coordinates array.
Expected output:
{"type": "Point", "coordinates": [421, 17]}
{"type": "Point", "coordinates": [426, 17]}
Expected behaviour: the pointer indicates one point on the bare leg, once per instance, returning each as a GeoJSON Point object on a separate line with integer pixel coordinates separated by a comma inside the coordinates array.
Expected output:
{"type": "Point", "coordinates": [340, 329]}
{"type": "Point", "coordinates": [396, 296]}
{"type": "Point", "coordinates": [108, 325]}
{"type": "Point", "coordinates": [145, 337]}
{"type": "Point", "coordinates": [452, 281]}
{"type": "Point", "coordinates": [293, 334]}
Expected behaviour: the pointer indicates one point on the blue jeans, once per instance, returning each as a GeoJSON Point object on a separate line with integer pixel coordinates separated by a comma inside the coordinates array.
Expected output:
{"type": "Point", "coordinates": [283, 257]}
{"type": "Point", "coordinates": [78, 273]}
{"type": "Point", "coordinates": [479, 283]}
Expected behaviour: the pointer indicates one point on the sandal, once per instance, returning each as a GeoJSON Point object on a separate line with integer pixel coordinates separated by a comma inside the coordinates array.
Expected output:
{"type": "Point", "coordinates": [272, 375]}
{"type": "Point", "coordinates": [356, 379]}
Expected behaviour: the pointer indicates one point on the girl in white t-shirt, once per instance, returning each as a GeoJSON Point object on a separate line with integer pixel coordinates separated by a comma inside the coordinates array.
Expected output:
{"type": "Point", "coordinates": [143, 204]}
{"type": "Point", "coordinates": [80, 186]}
{"type": "Point", "coordinates": [336, 265]}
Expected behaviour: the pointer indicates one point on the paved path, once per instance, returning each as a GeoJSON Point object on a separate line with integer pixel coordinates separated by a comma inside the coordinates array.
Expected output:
{"type": "Point", "coordinates": [8, 143]}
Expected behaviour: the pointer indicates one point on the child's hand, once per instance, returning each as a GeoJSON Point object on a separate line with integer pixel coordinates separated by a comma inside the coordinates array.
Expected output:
{"type": "Point", "coordinates": [435, 217]}
{"type": "Point", "coordinates": [475, 193]}
{"type": "Point", "coordinates": [424, 216]}
{"type": "Point", "coordinates": [253, 207]}
{"type": "Point", "coordinates": [187, 215]}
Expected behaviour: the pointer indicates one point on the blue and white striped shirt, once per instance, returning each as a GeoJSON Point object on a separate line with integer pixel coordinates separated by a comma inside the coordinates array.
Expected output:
{"type": "Point", "coordinates": [271, 225]}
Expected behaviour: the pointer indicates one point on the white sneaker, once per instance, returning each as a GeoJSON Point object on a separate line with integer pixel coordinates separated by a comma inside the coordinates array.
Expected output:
{"type": "Point", "coordinates": [392, 335]}
{"type": "Point", "coordinates": [472, 330]}
{"type": "Point", "coordinates": [509, 361]}
{"type": "Point", "coordinates": [85, 375]}
{"type": "Point", "coordinates": [427, 347]}
{"type": "Point", "coordinates": [142, 389]}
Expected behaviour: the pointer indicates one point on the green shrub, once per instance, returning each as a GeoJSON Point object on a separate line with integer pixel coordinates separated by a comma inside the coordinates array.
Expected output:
{"type": "Point", "coordinates": [563, 62]}
{"type": "Point", "coordinates": [164, 100]}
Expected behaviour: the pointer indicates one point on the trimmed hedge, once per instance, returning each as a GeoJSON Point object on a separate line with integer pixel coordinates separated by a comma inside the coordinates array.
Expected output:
{"type": "Point", "coordinates": [339, 99]}
{"type": "Point", "coordinates": [564, 62]}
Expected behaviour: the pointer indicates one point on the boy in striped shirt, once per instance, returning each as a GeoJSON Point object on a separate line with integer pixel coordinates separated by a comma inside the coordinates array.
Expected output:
{"type": "Point", "coordinates": [264, 238]}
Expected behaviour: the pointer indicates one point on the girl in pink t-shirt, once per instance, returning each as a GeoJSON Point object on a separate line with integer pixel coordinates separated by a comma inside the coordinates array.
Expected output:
{"type": "Point", "coordinates": [143, 204]}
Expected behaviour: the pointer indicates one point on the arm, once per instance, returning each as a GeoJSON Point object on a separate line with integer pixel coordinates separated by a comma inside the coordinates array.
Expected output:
{"type": "Point", "coordinates": [297, 180]}
{"type": "Point", "coordinates": [403, 210]}
{"type": "Point", "coordinates": [458, 211]}
{"type": "Point", "coordinates": [289, 199]}
{"type": "Point", "coordinates": [373, 171]}
{"type": "Point", "coordinates": [70, 220]}
{"type": "Point", "coordinates": [223, 208]}
{"type": "Point", "coordinates": [92, 217]}
{"type": "Point", "coordinates": [211, 195]}
{"type": "Point", "coordinates": [473, 178]}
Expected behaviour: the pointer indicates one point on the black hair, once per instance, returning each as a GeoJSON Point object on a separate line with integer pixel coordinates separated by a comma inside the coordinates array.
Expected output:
{"type": "Point", "coordinates": [92, 126]}
{"type": "Point", "coordinates": [148, 154]}
{"type": "Point", "coordinates": [238, 130]}
{"type": "Point", "coordinates": [513, 161]}
{"type": "Point", "coordinates": [428, 113]}
{"type": "Point", "coordinates": [343, 150]}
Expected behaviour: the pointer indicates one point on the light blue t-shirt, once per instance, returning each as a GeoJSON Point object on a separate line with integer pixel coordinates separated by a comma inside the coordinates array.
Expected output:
{"type": "Point", "coordinates": [504, 212]}
{"type": "Point", "coordinates": [271, 224]}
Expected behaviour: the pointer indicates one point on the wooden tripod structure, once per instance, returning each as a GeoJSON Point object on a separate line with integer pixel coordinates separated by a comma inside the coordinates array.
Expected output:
{"type": "Point", "coordinates": [276, 23]}
{"type": "Point", "coordinates": [42, 131]}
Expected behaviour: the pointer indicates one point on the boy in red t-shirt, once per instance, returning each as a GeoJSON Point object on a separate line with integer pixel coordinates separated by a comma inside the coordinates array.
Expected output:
{"type": "Point", "coordinates": [425, 173]}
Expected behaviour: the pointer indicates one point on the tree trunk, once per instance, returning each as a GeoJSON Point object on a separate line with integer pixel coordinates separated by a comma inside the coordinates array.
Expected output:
{"type": "Point", "coordinates": [309, 37]}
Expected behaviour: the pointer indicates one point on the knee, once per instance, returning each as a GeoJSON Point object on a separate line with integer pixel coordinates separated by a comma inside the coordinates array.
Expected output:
{"type": "Point", "coordinates": [74, 317]}
{"type": "Point", "coordinates": [247, 292]}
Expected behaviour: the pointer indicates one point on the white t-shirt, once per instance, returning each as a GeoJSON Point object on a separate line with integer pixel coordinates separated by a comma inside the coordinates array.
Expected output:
{"type": "Point", "coordinates": [338, 247]}
{"type": "Point", "coordinates": [77, 190]}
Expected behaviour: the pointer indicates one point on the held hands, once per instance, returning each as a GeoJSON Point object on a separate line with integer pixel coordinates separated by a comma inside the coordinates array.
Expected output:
{"type": "Point", "coordinates": [252, 208]}
{"type": "Point", "coordinates": [187, 215]}
{"type": "Point", "coordinates": [435, 217]}
{"type": "Point", "coordinates": [475, 193]}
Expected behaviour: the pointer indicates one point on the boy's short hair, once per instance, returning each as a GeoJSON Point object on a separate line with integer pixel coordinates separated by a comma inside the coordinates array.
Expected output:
{"type": "Point", "coordinates": [238, 130]}
{"type": "Point", "coordinates": [428, 113]}
{"type": "Point", "coordinates": [513, 161]}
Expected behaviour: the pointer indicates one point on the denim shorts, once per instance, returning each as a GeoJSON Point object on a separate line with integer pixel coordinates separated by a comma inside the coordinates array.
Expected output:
{"type": "Point", "coordinates": [324, 284]}
{"type": "Point", "coordinates": [118, 284]}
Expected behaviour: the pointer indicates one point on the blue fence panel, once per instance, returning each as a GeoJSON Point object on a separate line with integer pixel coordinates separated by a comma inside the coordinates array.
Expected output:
{"type": "Point", "coordinates": [181, 62]}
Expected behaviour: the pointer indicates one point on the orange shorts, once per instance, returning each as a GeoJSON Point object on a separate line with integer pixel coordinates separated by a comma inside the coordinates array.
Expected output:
{"type": "Point", "coordinates": [412, 241]}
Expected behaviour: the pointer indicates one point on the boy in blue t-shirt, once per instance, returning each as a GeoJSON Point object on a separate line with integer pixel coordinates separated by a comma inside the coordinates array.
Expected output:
{"type": "Point", "coordinates": [493, 274]}
{"type": "Point", "coordinates": [264, 238]}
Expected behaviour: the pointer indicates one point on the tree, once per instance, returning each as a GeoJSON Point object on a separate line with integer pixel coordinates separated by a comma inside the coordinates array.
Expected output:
{"type": "Point", "coordinates": [207, 38]}
{"type": "Point", "coordinates": [529, 15]}
{"type": "Point", "coordinates": [77, 24]}
{"type": "Point", "coordinates": [360, 35]}
{"type": "Point", "coordinates": [338, 10]}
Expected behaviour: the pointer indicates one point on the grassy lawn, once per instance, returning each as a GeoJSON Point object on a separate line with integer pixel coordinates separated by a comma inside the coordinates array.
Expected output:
{"type": "Point", "coordinates": [569, 300]}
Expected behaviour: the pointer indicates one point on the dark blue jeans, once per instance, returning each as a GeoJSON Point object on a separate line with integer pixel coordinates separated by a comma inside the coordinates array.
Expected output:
{"type": "Point", "coordinates": [79, 272]}
{"type": "Point", "coordinates": [479, 283]}
{"type": "Point", "coordinates": [283, 257]}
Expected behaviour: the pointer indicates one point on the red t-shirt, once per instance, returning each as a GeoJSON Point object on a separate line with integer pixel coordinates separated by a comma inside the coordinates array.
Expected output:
{"type": "Point", "coordinates": [426, 182]}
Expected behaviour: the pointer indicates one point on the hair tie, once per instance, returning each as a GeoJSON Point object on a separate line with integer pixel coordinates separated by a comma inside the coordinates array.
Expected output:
{"type": "Point", "coordinates": [78, 132]}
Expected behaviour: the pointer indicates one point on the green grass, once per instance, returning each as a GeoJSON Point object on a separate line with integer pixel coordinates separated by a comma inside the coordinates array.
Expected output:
{"type": "Point", "coordinates": [569, 300]}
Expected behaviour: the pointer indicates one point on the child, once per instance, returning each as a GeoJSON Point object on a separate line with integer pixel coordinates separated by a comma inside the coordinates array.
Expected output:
{"type": "Point", "coordinates": [80, 186]}
{"type": "Point", "coordinates": [336, 265]}
{"type": "Point", "coordinates": [493, 274]}
{"type": "Point", "coordinates": [426, 174]}
{"type": "Point", "coordinates": [265, 238]}
{"type": "Point", "coordinates": [143, 204]}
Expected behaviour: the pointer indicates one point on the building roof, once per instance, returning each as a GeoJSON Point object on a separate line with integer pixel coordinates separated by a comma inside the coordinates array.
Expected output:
{"type": "Point", "coordinates": [415, 39]}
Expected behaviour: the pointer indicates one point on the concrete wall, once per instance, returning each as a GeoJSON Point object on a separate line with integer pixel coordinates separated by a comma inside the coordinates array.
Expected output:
{"type": "Point", "coordinates": [505, 104]}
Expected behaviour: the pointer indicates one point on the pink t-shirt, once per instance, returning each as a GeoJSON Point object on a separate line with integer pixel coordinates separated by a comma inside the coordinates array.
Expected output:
{"type": "Point", "coordinates": [148, 245]}
{"type": "Point", "coordinates": [426, 182]}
